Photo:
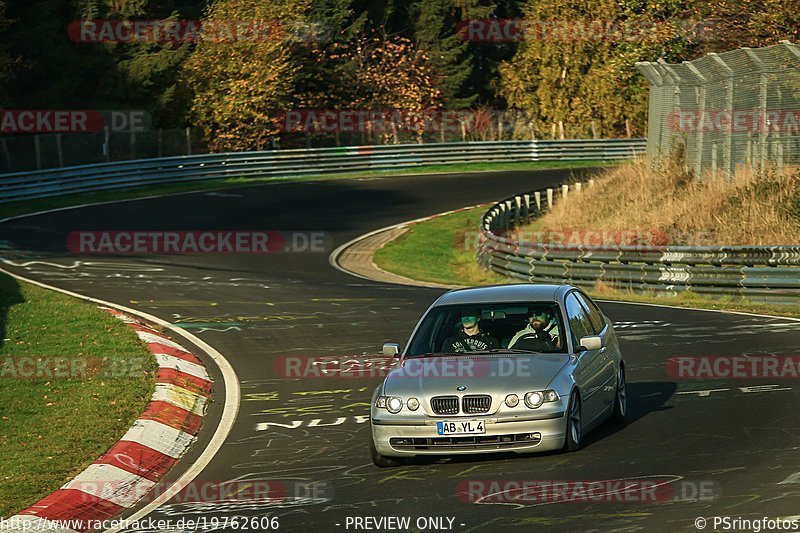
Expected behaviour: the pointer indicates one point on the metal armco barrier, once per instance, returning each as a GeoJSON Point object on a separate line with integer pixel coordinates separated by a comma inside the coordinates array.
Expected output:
{"type": "Point", "coordinates": [289, 163]}
{"type": "Point", "coordinates": [757, 273]}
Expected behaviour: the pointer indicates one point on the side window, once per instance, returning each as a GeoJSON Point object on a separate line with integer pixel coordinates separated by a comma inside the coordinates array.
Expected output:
{"type": "Point", "coordinates": [578, 322]}
{"type": "Point", "coordinates": [595, 317]}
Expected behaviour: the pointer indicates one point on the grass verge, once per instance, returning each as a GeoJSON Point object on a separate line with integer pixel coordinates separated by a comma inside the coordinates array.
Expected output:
{"type": "Point", "coordinates": [72, 380]}
{"type": "Point", "coordinates": [42, 204]}
{"type": "Point", "coordinates": [442, 250]}
{"type": "Point", "coordinates": [669, 206]}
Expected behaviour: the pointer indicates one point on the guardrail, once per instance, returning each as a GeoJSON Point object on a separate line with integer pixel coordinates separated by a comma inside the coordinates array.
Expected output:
{"type": "Point", "coordinates": [289, 163]}
{"type": "Point", "coordinates": [756, 273]}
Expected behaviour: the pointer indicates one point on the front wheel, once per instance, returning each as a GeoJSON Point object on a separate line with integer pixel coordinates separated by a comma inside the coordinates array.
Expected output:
{"type": "Point", "coordinates": [620, 414]}
{"type": "Point", "coordinates": [572, 442]}
{"type": "Point", "coordinates": [379, 460]}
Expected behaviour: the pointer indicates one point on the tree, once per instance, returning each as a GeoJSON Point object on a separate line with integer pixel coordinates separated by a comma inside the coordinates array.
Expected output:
{"type": "Point", "coordinates": [436, 32]}
{"type": "Point", "coordinates": [391, 74]}
{"type": "Point", "coordinates": [576, 71]}
{"type": "Point", "coordinates": [239, 89]}
{"type": "Point", "coordinates": [6, 63]}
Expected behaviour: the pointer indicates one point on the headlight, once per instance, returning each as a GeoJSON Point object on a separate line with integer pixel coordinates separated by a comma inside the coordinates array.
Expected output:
{"type": "Point", "coordinates": [394, 404]}
{"type": "Point", "coordinates": [412, 404]}
{"type": "Point", "coordinates": [512, 400]}
{"type": "Point", "coordinates": [381, 402]}
{"type": "Point", "coordinates": [534, 399]}
{"type": "Point", "coordinates": [551, 396]}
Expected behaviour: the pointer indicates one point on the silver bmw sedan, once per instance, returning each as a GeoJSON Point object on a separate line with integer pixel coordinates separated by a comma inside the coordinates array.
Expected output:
{"type": "Point", "coordinates": [520, 368]}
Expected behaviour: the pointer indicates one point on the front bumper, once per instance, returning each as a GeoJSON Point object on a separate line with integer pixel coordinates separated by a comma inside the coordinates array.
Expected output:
{"type": "Point", "coordinates": [420, 437]}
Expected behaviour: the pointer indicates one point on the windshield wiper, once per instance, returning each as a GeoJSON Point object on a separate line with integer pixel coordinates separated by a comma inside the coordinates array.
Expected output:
{"type": "Point", "coordinates": [505, 350]}
{"type": "Point", "coordinates": [430, 354]}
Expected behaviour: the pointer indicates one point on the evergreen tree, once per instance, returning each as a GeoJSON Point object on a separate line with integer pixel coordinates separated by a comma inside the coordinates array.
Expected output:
{"type": "Point", "coordinates": [6, 63]}
{"type": "Point", "coordinates": [435, 27]}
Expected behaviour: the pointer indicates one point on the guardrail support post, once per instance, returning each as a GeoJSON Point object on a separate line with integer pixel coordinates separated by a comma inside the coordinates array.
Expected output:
{"type": "Point", "coordinates": [107, 143]}
{"type": "Point", "coordinates": [188, 141]}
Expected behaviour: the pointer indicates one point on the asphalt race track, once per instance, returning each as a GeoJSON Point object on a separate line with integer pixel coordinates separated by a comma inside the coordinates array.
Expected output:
{"type": "Point", "coordinates": [740, 436]}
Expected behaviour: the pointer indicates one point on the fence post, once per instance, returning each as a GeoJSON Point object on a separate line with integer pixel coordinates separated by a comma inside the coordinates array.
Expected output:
{"type": "Point", "coordinates": [59, 151]}
{"type": "Point", "coordinates": [107, 143]}
{"type": "Point", "coordinates": [549, 198]}
{"type": "Point", "coordinates": [727, 139]}
{"type": "Point", "coordinates": [701, 109]}
{"type": "Point", "coordinates": [714, 159]}
{"type": "Point", "coordinates": [6, 152]}
{"type": "Point", "coordinates": [188, 141]}
{"type": "Point", "coordinates": [37, 148]}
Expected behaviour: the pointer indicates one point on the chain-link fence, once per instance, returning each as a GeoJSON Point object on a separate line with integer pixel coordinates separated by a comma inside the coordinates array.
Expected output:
{"type": "Point", "coordinates": [22, 153]}
{"type": "Point", "coordinates": [727, 112]}
{"type": "Point", "coordinates": [302, 129]}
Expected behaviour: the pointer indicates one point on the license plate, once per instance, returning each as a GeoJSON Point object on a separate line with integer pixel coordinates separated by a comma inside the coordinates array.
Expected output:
{"type": "Point", "coordinates": [465, 427]}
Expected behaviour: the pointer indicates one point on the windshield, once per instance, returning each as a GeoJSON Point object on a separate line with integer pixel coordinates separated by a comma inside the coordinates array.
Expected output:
{"type": "Point", "coordinates": [490, 328]}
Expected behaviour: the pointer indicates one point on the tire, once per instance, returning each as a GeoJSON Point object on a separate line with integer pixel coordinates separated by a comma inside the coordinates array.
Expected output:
{"type": "Point", "coordinates": [620, 413]}
{"type": "Point", "coordinates": [379, 460]}
{"type": "Point", "coordinates": [574, 436]}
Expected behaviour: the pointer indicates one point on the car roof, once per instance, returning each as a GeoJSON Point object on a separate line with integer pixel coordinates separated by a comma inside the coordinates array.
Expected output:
{"type": "Point", "coordinates": [516, 292]}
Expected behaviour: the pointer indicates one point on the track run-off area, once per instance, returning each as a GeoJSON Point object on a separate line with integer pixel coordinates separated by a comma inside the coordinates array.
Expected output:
{"type": "Point", "coordinates": [308, 436]}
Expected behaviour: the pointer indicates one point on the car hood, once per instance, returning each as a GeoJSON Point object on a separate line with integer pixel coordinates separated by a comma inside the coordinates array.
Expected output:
{"type": "Point", "coordinates": [493, 374]}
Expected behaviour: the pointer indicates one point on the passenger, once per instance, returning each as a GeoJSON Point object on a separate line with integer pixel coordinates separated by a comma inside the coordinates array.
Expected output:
{"type": "Point", "coordinates": [540, 334]}
{"type": "Point", "coordinates": [469, 338]}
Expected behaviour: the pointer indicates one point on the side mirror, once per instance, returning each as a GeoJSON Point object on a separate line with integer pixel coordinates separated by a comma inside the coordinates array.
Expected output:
{"type": "Point", "coordinates": [391, 349]}
{"type": "Point", "coordinates": [591, 343]}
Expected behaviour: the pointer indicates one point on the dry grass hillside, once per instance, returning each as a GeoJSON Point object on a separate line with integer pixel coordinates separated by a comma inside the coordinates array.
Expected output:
{"type": "Point", "coordinates": [752, 210]}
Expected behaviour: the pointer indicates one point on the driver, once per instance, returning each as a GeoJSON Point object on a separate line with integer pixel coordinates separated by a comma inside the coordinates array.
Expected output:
{"type": "Point", "coordinates": [469, 338]}
{"type": "Point", "coordinates": [541, 331]}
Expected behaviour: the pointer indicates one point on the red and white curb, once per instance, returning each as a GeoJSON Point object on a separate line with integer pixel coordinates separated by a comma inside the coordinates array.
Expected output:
{"type": "Point", "coordinates": [131, 468]}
